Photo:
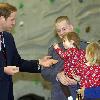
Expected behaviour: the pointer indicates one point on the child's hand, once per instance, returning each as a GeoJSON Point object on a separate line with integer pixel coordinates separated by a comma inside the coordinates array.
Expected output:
{"type": "Point", "coordinates": [81, 91]}
{"type": "Point", "coordinates": [55, 45]}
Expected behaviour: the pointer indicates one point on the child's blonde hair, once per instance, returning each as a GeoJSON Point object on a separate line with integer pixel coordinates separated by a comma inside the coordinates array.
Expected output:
{"type": "Point", "coordinates": [93, 53]}
{"type": "Point", "coordinates": [72, 36]}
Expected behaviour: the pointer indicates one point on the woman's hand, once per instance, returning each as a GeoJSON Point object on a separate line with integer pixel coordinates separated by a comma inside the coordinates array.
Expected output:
{"type": "Point", "coordinates": [77, 78]}
{"type": "Point", "coordinates": [61, 77]}
{"type": "Point", "coordinates": [65, 80]}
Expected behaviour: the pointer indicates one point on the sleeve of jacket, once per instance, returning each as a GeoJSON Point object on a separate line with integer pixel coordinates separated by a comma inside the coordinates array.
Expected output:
{"type": "Point", "coordinates": [2, 73]}
{"type": "Point", "coordinates": [83, 44]}
{"type": "Point", "coordinates": [25, 65]}
{"type": "Point", "coordinates": [50, 73]}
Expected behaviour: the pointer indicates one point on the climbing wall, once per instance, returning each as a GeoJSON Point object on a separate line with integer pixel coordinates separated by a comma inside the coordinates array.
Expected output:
{"type": "Point", "coordinates": [34, 31]}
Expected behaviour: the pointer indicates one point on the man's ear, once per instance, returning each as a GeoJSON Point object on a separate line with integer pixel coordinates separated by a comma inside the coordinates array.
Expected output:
{"type": "Point", "coordinates": [2, 18]}
{"type": "Point", "coordinates": [72, 28]}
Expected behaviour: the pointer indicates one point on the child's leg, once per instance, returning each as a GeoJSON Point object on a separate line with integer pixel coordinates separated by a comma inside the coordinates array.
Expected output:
{"type": "Point", "coordinates": [73, 89]}
{"type": "Point", "coordinates": [65, 90]}
{"type": "Point", "coordinates": [70, 98]}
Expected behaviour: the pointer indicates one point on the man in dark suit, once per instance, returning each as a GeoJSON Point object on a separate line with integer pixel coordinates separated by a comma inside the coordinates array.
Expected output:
{"type": "Point", "coordinates": [62, 25]}
{"type": "Point", "coordinates": [10, 60]}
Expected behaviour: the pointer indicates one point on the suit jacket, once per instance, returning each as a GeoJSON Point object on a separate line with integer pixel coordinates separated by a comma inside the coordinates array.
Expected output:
{"type": "Point", "coordinates": [13, 59]}
{"type": "Point", "coordinates": [50, 74]}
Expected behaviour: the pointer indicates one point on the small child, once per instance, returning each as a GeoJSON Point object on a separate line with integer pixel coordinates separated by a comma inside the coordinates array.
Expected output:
{"type": "Point", "coordinates": [89, 73]}
{"type": "Point", "coordinates": [73, 53]}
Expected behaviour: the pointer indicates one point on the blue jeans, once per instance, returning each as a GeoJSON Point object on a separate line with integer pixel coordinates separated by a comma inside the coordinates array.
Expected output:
{"type": "Point", "coordinates": [92, 93]}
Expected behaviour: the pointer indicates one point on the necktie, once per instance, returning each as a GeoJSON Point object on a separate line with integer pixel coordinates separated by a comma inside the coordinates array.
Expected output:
{"type": "Point", "coordinates": [0, 40]}
{"type": "Point", "coordinates": [2, 47]}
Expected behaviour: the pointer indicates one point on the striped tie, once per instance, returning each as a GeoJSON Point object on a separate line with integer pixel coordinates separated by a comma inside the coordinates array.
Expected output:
{"type": "Point", "coordinates": [2, 47]}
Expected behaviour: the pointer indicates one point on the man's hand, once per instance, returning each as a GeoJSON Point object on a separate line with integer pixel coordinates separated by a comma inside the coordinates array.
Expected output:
{"type": "Point", "coordinates": [11, 70]}
{"type": "Point", "coordinates": [47, 61]}
{"type": "Point", "coordinates": [65, 80]}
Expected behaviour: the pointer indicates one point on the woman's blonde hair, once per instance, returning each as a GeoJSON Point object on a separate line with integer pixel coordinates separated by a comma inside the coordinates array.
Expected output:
{"type": "Point", "coordinates": [93, 53]}
{"type": "Point", "coordinates": [72, 36]}
{"type": "Point", "coordinates": [60, 19]}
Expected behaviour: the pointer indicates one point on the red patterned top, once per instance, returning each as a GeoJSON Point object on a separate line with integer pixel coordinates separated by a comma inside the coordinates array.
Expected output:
{"type": "Point", "coordinates": [90, 75]}
{"type": "Point", "coordinates": [71, 57]}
